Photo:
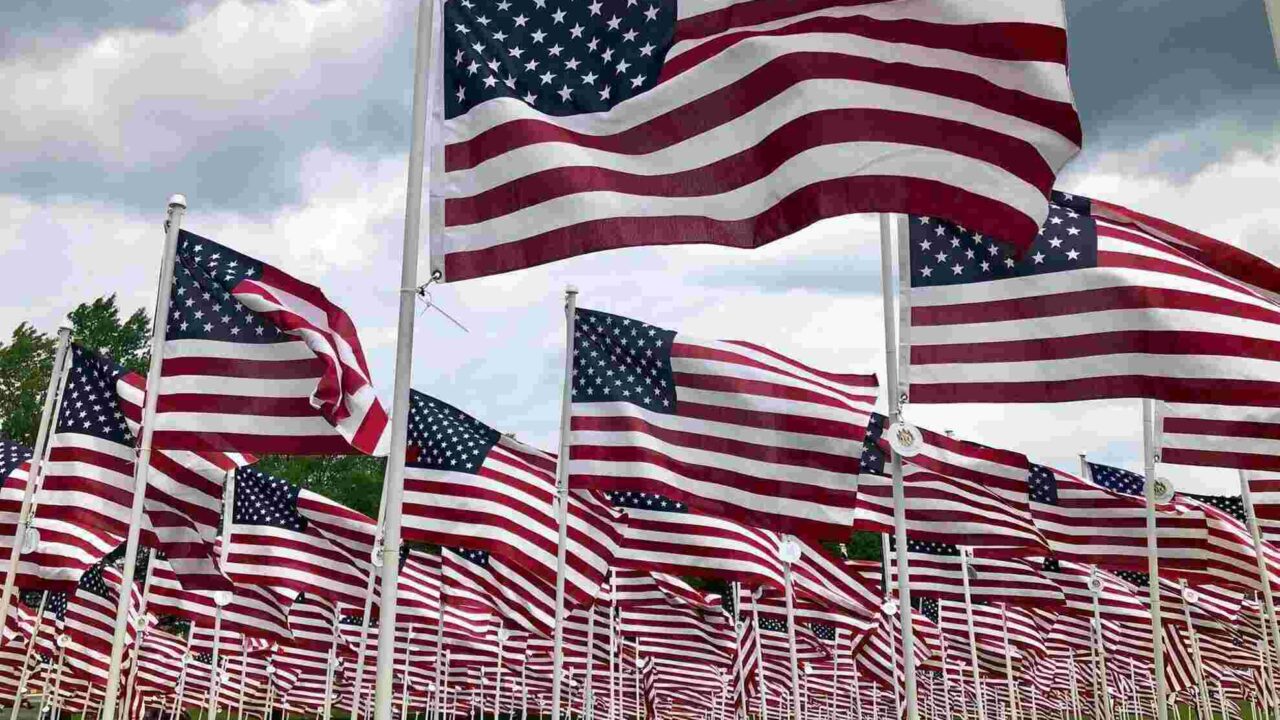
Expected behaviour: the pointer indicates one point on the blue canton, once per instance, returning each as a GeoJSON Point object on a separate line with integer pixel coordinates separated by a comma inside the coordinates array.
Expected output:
{"type": "Point", "coordinates": [926, 606]}
{"type": "Point", "coordinates": [620, 359]}
{"type": "Point", "coordinates": [479, 557]}
{"type": "Point", "coordinates": [1138, 579]}
{"type": "Point", "coordinates": [203, 307]}
{"type": "Point", "coordinates": [12, 455]}
{"type": "Point", "coordinates": [91, 581]}
{"type": "Point", "coordinates": [560, 57]}
{"type": "Point", "coordinates": [442, 437]}
{"type": "Point", "coordinates": [943, 253]}
{"type": "Point", "coordinates": [1117, 480]}
{"type": "Point", "coordinates": [90, 402]}
{"type": "Point", "coordinates": [1232, 505]}
{"type": "Point", "coordinates": [823, 631]}
{"type": "Point", "coordinates": [1042, 485]}
{"type": "Point", "coordinates": [873, 457]}
{"type": "Point", "coordinates": [645, 501]}
{"type": "Point", "coordinates": [264, 500]}
{"type": "Point", "coordinates": [773, 624]}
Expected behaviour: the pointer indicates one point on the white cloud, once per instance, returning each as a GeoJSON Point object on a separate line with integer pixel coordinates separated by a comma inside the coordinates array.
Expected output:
{"type": "Point", "coordinates": [139, 95]}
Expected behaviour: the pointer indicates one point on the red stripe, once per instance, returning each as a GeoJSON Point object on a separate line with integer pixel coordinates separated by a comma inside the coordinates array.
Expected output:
{"type": "Point", "coordinates": [258, 444]}
{"type": "Point", "coordinates": [759, 162]}
{"type": "Point", "coordinates": [754, 452]}
{"type": "Point", "coordinates": [1172, 343]}
{"type": "Point", "coordinates": [1226, 392]}
{"type": "Point", "coordinates": [1216, 458]}
{"type": "Point", "coordinates": [1009, 41]}
{"type": "Point", "coordinates": [310, 368]}
{"type": "Point", "coordinates": [817, 201]}
{"type": "Point", "coordinates": [776, 422]}
{"type": "Point", "coordinates": [861, 403]}
{"type": "Point", "coordinates": [336, 319]}
{"type": "Point", "coordinates": [755, 89]}
{"type": "Point", "coordinates": [1222, 428]}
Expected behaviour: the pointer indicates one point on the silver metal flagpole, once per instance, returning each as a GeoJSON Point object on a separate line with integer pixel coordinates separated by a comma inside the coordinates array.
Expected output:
{"type": "Point", "coordinates": [835, 676]}
{"type": "Point", "coordinates": [1188, 599]}
{"type": "Point", "coordinates": [635, 646]}
{"type": "Point", "coordinates": [899, 491]}
{"type": "Point", "coordinates": [26, 659]}
{"type": "Point", "coordinates": [973, 635]}
{"type": "Point", "coordinates": [789, 551]}
{"type": "Point", "coordinates": [613, 645]}
{"type": "Point", "coordinates": [37, 465]}
{"type": "Point", "coordinates": [588, 693]}
{"type": "Point", "coordinates": [362, 655]}
{"type": "Point", "coordinates": [393, 481]}
{"type": "Point", "coordinates": [1150, 458]}
{"type": "Point", "coordinates": [946, 682]}
{"type": "Point", "coordinates": [562, 500]}
{"type": "Point", "coordinates": [140, 633]}
{"type": "Point", "coordinates": [1273, 17]}
{"type": "Point", "coordinates": [331, 665]}
{"type": "Point", "coordinates": [404, 690]}
{"type": "Point", "coordinates": [764, 691]}
{"type": "Point", "coordinates": [142, 465]}
{"type": "Point", "coordinates": [886, 569]}
{"type": "Point", "coordinates": [1099, 647]}
{"type": "Point", "coordinates": [1272, 634]}
{"type": "Point", "coordinates": [497, 696]}
{"type": "Point", "coordinates": [524, 690]}
{"type": "Point", "coordinates": [222, 597]}
{"type": "Point", "coordinates": [244, 680]}
{"type": "Point", "coordinates": [182, 674]}
{"type": "Point", "coordinates": [1008, 663]}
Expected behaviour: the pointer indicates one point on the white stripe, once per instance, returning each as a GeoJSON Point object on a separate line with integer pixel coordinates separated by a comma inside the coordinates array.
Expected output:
{"type": "Point", "coordinates": [1188, 367]}
{"type": "Point", "coordinates": [277, 352]}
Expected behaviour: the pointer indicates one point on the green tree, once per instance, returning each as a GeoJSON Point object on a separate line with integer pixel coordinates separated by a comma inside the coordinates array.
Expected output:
{"type": "Point", "coordinates": [352, 480]}
{"type": "Point", "coordinates": [97, 325]}
{"type": "Point", "coordinates": [25, 363]}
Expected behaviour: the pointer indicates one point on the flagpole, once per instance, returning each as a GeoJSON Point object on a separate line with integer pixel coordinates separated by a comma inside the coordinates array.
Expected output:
{"type": "Point", "coordinates": [635, 646]}
{"type": "Point", "coordinates": [764, 691]}
{"type": "Point", "coordinates": [1008, 663]}
{"type": "Point", "coordinates": [1201, 686]}
{"type": "Point", "coordinates": [140, 633]}
{"type": "Point", "coordinates": [331, 662]}
{"type": "Point", "coordinates": [886, 561]}
{"type": "Point", "coordinates": [408, 649]}
{"type": "Point", "coordinates": [524, 690]}
{"type": "Point", "coordinates": [588, 704]}
{"type": "Point", "coordinates": [366, 620]}
{"type": "Point", "coordinates": [899, 491]}
{"type": "Point", "coordinates": [36, 466]}
{"type": "Point", "coordinates": [1264, 572]}
{"type": "Point", "coordinates": [1150, 458]}
{"type": "Point", "coordinates": [142, 464]}
{"type": "Point", "coordinates": [946, 680]}
{"type": "Point", "coordinates": [497, 697]}
{"type": "Point", "coordinates": [221, 597]}
{"type": "Point", "coordinates": [393, 482]}
{"type": "Point", "coordinates": [182, 674]}
{"type": "Point", "coordinates": [613, 645]}
{"type": "Point", "coordinates": [789, 551]}
{"type": "Point", "coordinates": [973, 635]}
{"type": "Point", "coordinates": [31, 648]}
{"type": "Point", "coordinates": [1099, 643]}
{"type": "Point", "coordinates": [562, 499]}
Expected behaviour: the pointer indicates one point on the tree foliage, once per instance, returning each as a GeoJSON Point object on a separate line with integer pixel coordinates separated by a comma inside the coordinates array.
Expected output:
{"type": "Point", "coordinates": [352, 480]}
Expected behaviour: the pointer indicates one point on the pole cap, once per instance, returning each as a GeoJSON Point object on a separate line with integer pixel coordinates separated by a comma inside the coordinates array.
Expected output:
{"type": "Point", "coordinates": [178, 199]}
{"type": "Point", "coordinates": [65, 325]}
{"type": "Point", "coordinates": [570, 289]}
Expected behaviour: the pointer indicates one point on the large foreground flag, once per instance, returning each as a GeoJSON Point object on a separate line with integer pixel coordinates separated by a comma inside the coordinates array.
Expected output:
{"type": "Point", "coordinates": [258, 361]}
{"type": "Point", "coordinates": [729, 428]}
{"type": "Point", "coordinates": [1095, 309]}
{"type": "Point", "coordinates": [579, 127]}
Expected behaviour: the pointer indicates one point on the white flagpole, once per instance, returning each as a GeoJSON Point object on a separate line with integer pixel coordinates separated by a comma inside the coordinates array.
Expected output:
{"type": "Point", "coordinates": [1099, 650]}
{"type": "Point", "coordinates": [1008, 663]}
{"type": "Point", "coordinates": [899, 491]}
{"type": "Point", "coordinates": [973, 635]}
{"type": "Point", "coordinates": [857, 691]}
{"type": "Point", "coordinates": [1075, 687]}
{"type": "Point", "coordinates": [393, 482]}
{"type": "Point", "coordinates": [790, 551]}
{"type": "Point", "coordinates": [635, 646]}
{"type": "Point", "coordinates": [497, 696]}
{"type": "Point", "coordinates": [331, 665]}
{"type": "Point", "coordinates": [588, 693]}
{"type": "Point", "coordinates": [48, 696]}
{"type": "Point", "coordinates": [835, 676]}
{"type": "Point", "coordinates": [1206, 706]}
{"type": "Point", "coordinates": [244, 680]}
{"type": "Point", "coordinates": [404, 670]}
{"type": "Point", "coordinates": [142, 464]}
{"type": "Point", "coordinates": [1151, 457]}
{"type": "Point", "coordinates": [946, 683]}
{"type": "Point", "coordinates": [362, 655]}
{"type": "Point", "coordinates": [886, 564]}
{"type": "Point", "coordinates": [613, 645]}
{"type": "Point", "coordinates": [38, 454]}
{"type": "Point", "coordinates": [764, 691]}
{"type": "Point", "coordinates": [140, 634]}
{"type": "Point", "coordinates": [524, 690]}
{"type": "Point", "coordinates": [562, 500]}
{"type": "Point", "coordinates": [26, 659]}
{"type": "Point", "coordinates": [182, 674]}
{"type": "Point", "coordinates": [221, 598]}
{"type": "Point", "coordinates": [1271, 635]}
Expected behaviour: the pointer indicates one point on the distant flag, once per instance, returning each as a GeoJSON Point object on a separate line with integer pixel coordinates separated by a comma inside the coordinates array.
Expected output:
{"type": "Point", "coordinates": [572, 130]}
{"type": "Point", "coordinates": [253, 611]}
{"type": "Point", "coordinates": [90, 621]}
{"type": "Point", "coordinates": [1182, 532]}
{"type": "Point", "coordinates": [936, 571]}
{"type": "Point", "coordinates": [273, 545]}
{"type": "Point", "coordinates": [468, 485]}
{"type": "Point", "coordinates": [258, 361]}
{"type": "Point", "coordinates": [1097, 308]}
{"type": "Point", "coordinates": [729, 428]}
{"type": "Point", "coordinates": [957, 492]}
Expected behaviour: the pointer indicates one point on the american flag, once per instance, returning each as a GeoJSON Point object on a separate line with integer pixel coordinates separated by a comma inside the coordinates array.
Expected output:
{"type": "Point", "coordinates": [1264, 491]}
{"type": "Point", "coordinates": [879, 651]}
{"type": "Point", "coordinates": [1228, 553]}
{"type": "Point", "coordinates": [1105, 522]}
{"type": "Point", "coordinates": [1232, 436]}
{"type": "Point", "coordinates": [1182, 533]}
{"type": "Point", "coordinates": [272, 544]}
{"type": "Point", "coordinates": [729, 428]}
{"type": "Point", "coordinates": [936, 572]}
{"type": "Point", "coordinates": [90, 620]}
{"type": "Point", "coordinates": [258, 361]}
{"type": "Point", "coordinates": [253, 611]}
{"type": "Point", "coordinates": [578, 127]}
{"type": "Point", "coordinates": [1095, 309]}
{"type": "Point", "coordinates": [1117, 600]}
{"type": "Point", "coordinates": [957, 492]}
{"type": "Point", "coordinates": [14, 467]}
{"type": "Point", "coordinates": [503, 588]}
{"type": "Point", "coordinates": [467, 484]}
{"type": "Point", "coordinates": [666, 535]}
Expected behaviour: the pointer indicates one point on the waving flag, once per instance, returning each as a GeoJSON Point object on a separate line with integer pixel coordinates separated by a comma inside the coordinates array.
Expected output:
{"type": "Point", "coordinates": [936, 573]}
{"type": "Point", "coordinates": [957, 492]}
{"type": "Point", "coordinates": [466, 484]}
{"type": "Point", "coordinates": [1095, 309]}
{"type": "Point", "coordinates": [584, 127]}
{"type": "Point", "coordinates": [90, 620]}
{"type": "Point", "coordinates": [258, 361]}
{"type": "Point", "coordinates": [1182, 532]}
{"type": "Point", "coordinates": [1232, 436]}
{"type": "Point", "coordinates": [729, 428]}
{"type": "Point", "coordinates": [253, 611]}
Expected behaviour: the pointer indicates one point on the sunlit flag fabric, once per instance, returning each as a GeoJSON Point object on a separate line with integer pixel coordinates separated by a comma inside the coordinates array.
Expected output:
{"type": "Point", "coordinates": [14, 468]}
{"type": "Point", "coordinates": [1264, 488]}
{"type": "Point", "coordinates": [957, 492]}
{"type": "Point", "coordinates": [1085, 522]}
{"type": "Point", "coordinates": [729, 428]}
{"type": "Point", "coordinates": [272, 544]}
{"type": "Point", "coordinates": [258, 361]}
{"type": "Point", "coordinates": [936, 572]}
{"type": "Point", "coordinates": [468, 485]}
{"type": "Point", "coordinates": [90, 621]}
{"type": "Point", "coordinates": [1181, 531]}
{"type": "Point", "coordinates": [253, 611]}
{"type": "Point", "coordinates": [586, 127]}
{"type": "Point", "coordinates": [1232, 436]}
{"type": "Point", "coordinates": [1095, 309]}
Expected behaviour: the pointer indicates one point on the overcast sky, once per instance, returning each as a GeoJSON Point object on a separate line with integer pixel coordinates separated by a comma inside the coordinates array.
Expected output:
{"type": "Point", "coordinates": [285, 122]}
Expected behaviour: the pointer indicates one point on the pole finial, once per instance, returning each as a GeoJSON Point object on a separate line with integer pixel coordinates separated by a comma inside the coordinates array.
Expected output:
{"type": "Point", "coordinates": [178, 199]}
{"type": "Point", "coordinates": [65, 325]}
{"type": "Point", "coordinates": [570, 289]}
